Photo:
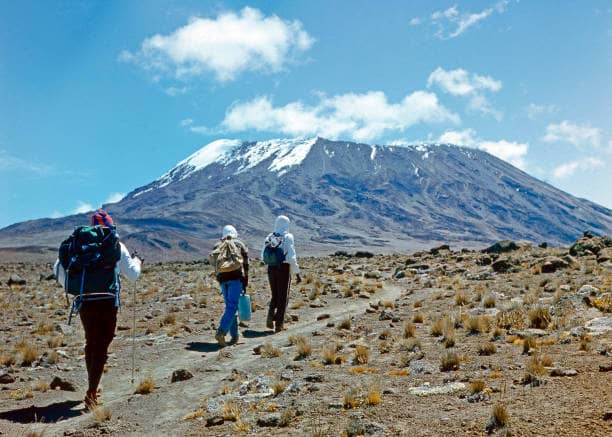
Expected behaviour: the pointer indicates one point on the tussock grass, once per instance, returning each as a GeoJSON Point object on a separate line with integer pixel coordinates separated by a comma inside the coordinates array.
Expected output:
{"type": "Point", "coordinates": [268, 350]}
{"type": "Point", "coordinates": [461, 299]}
{"type": "Point", "coordinates": [43, 328]}
{"type": "Point", "coordinates": [362, 355]}
{"type": "Point", "coordinates": [449, 361]}
{"type": "Point", "coordinates": [489, 301]}
{"type": "Point", "coordinates": [345, 324]}
{"type": "Point", "coordinates": [279, 387]}
{"type": "Point", "coordinates": [304, 348]}
{"type": "Point", "coordinates": [487, 349]}
{"type": "Point", "coordinates": [477, 386]}
{"type": "Point", "coordinates": [101, 414]}
{"type": "Point", "coordinates": [585, 342]}
{"type": "Point", "coordinates": [350, 399]}
{"type": "Point", "coordinates": [529, 343]}
{"type": "Point", "coordinates": [373, 396]}
{"type": "Point", "coordinates": [539, 317]}
{"type": "Point", "coordinates": [499, 415]}
{"type": "Point", "coordinates": [477, 324]}
{"type": "Point", "coordinates": [409, 330]}
{"type": "Point", "coordinates": [28, 353]}
{"type": "Point", "coordinates": [418, 317]}
{"type": "Point", "coordinates": [146, 386]}
{"type": "Point", "coordinates": [56, 341]}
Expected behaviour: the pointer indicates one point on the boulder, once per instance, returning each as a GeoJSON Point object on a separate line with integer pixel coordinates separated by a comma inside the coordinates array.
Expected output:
{"type": "Point", "coordinates": [502, 247]}
{"type": "Point", "coordinates": [181, 375]}
{"type": "Point", "coordinates": [557, 371]}
{"type": "Point", "coordinates": [553, 264]}
{"type": "Point", "coordinates": [502, 265]}
{"type": "Point", "coordinates": [62, 384]}
{"type": "Point", "coordinates": [269, 420]}
{"type": "Point", "coordinates": [5, 378]}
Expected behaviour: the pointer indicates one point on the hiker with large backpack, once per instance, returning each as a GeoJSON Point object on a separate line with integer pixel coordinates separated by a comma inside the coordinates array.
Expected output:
{"type": "Point", "coordinates": [88, 267]}
{"type": "Point", "coordinates": [278, 254]}
{"type": "Point", "coordinates": [230, 259]}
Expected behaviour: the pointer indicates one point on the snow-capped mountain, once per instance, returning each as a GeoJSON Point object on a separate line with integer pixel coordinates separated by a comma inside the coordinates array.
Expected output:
{"type": "Point", "coordinates": [340, 196]}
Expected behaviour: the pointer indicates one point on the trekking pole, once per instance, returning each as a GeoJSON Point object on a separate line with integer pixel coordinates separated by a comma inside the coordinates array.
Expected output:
{"type": "Point", "coordinates": [133, 328]}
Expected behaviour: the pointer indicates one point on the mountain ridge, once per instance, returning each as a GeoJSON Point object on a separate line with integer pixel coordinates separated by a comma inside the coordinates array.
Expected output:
{"type": "Point", "coordinates": [340, 195]}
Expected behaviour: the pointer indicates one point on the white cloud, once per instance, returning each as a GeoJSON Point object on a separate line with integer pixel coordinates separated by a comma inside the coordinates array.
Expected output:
{"type": "Point", "coordinates": [114, 197]}
{"type": "Point", "coordinates": [536, 111]}
{"type": "Point", "coordinates": [82, 207]}
{"type": "Point", "coordinates": [415, 21]}
{"type": "Point", "coordinates": [56, 214]}
{"type": "Point", "coordinates": [11, 162]}
{"type": "Point", "coordinates": [509, 151]}
{"type": "Point", "coordinates": [451, 18]}
{"type": "Point", "coordinates": [462, 83]}
{"type": "Point", "coordinates": [578, 135]}
{"type": "Point", "coordinates": [585, 164]}
{"type": "Point", "coordinates": [361, 117]}
{"type": "Point", "coordinates": [226, 46]}
{"type": "Point", "coordinates": [203, 130]}
{"type": "Point", "coordinates": [174, 91]}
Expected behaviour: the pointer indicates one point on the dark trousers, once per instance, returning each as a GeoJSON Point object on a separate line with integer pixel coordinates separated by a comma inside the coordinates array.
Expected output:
{"type": "Point", "coordinates": [99, 320]}
{"type": "Point", "coordinates": [280, 280]}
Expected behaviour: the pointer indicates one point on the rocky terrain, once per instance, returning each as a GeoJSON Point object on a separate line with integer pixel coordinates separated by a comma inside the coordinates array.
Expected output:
{"type": "Point", "coordinates": [514, 340]}
{"type": "Point", "coordinates": [339, 196]}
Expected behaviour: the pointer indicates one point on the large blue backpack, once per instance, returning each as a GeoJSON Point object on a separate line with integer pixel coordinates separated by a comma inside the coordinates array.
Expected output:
{"type": "Point", "coordinates": [273, 253]}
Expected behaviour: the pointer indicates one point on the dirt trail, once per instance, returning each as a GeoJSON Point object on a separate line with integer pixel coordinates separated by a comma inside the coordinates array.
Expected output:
{"type": "Point", "coordinates": [164, 409]}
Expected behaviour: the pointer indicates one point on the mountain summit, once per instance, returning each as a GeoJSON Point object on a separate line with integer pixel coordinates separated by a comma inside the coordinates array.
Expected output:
{"type": "Point", "coordinates": [340, 196]}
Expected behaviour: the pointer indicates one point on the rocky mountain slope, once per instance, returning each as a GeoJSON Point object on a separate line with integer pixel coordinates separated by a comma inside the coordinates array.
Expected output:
{"type": "Point", "coordinates": [339, 195]}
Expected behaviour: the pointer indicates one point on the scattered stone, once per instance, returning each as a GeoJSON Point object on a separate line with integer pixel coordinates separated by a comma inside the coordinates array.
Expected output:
{"type": "Point", "coordinates": [181, 375]}
{"type": "Point", "coordinates": [528, 332]}
{"type": "Point", "coordinates": [421, 366]}
{"type": "Point", "coordinates": [269, 420]}
{"type": "Point", "coordinates": [427, 390]}
{"type": "Point", "coordinates": [355, 428]}
{"type": "Point", "coordinates": [607, 415]}
{"type": "Point", "coordinates": [363, 254]}
{"type": "Point", "coordinates": [478, 397]}
{"type": "Point", "coordinates": [605, 367]}
{"type": "Point", "coordinates": [386, 315]}
{"type": "Point", "coordinates": [502, 265]}
{"type": "Point", "coordinates": [15, 279]}
{"type": "Point", "coordinates": [588, 290]}
{"type": "Point", "coordinates": [437, 250]}
{"type": "Point", "coordinates": [480, 276]}
{"type": "Point", "coordinates": [65, 329]}
{"type": "Point", "coordinates": [313, 378]}
{"type": "Point", "coordinates": [62, 384]}
{"type": "Point", "coordinates": [501, 247]}
{"type": "Point", "coordinates": [5, 378]}
{"type": "Point", "coordinates": [214, 421]}
{"type": "Point", "coordinates": [373, 274]}
{"type": "Point", "coordinates": [400, 274]}
{"type": "Point", "coordinates": [323, 316]}
{"type": "Point", "coordinates": [563, 372]}
{"type": "Point", "coordinates": [551, 265]}
{"type": "Point", "coordinates": [599, 325]}
{"type": "Point", "coordinates": [316, 304]}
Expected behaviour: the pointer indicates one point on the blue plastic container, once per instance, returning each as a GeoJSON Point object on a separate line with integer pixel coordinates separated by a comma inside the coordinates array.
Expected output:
{"type": "Point", "coordinates": [244, 307]}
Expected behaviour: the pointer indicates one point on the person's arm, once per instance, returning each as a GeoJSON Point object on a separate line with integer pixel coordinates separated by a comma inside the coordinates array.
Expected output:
{"type": "Point", "coordinates": [129, 266]}
{"type": "Point", "coordinates": [60, 273]}
{"type": "Point", "coordinates": [245, 264]}
{"type": "Point", "coordinates": [292, 257]}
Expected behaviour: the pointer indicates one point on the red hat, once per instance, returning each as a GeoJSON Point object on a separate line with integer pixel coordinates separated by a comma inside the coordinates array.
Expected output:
{"type": "Point", "coordinates": [101, 217]}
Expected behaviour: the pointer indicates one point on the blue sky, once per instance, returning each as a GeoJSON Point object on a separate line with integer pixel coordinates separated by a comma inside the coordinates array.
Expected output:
{"type": "Point", "coordinates": [98, 98]}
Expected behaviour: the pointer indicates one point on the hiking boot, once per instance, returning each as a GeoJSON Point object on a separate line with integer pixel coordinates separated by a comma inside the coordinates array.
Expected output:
{"type": "Point", "coordinates": [220, 337]}
{"type": "Point", "coordinates": [91, 400]}
{"type": "Point", "coordinates": [278, 327]}
{"type": "Point", "coordinates": [234, 340]}
{"type": "Point", "coordinates": [269, 323]}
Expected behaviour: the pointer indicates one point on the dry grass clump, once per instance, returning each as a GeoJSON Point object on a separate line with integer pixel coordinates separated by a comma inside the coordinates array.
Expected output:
{"type": "Point", "coordinates": [169, 319]}
{"type": "Point", "coordinates": [278, 387]}
{"type": "Point", "coordinates": [499, 415]}
{"type": "Point", "coordinates": [477, 324]}
{"type": "Point", "coordinates": [461, 299]}
{"type": "Point", "coordinates": [487, 349]}
{"type": "Point", "coordinates": [418, 317]}
{"type": "Point", "coordinates": [329, 355]}
{"type": "Point", "coordinates": [409, 330]}
{"type": "Point", "coordinates": [7, 359]}
{"type": "Point", "coordinates": [350, 399]}
{"type": "Point", "coordinates": [511, 319]}
{"type": "Point", "coordinates": [27, 353]}
{"type": "Point", "coordinates": [529, 343]}
{"type": "Point", "coordinates": [535, 367]}
{"type": "Point", "coordinates": [477, 386]}
{"type": "Point", "coordinates": [231, 412]}
{"type": "Point", "coordinates": [449, 336]}
{"type": "Point", "coordinates": [56, 341]}
{"type": "Point", "coordinates": [373, 397]}
{"type": "Point", "coordinates": [449, 361]}
{"type": "Point", "coordinates": [539, 317]}
{"type": "Point", "coordinates": [362, 355]}
{"type": "Point", "coordinates": [268, 350]}
{"type": "Point", "coordinates": [345, 324]}
{"type": "Point", "coordinates": [304, 348]}
{"type": "Point", "coordinates": [437, 327]}
{"type": "Point", "coordinates": [585, 342]}
{"type": "Point", "coordinates": [41, 386]}
{"type": "Point", "coordinates": [387, 304]}
{"type": "Point", "coordinates": [497, 333]}
{"type": "Point", "coordinates": [146, 386]}
{"type": "Point", "coordinates": [386, 334]}
{"type": "Point", "coordinates": [489, 301]}
{"type": "Point", "coordinates": [43, 328]}
{"type": "Point", "coordinates": [546, 360]}
{"type": "Point", "coordinates": [418, 304]}
{"type": "Point", "coordinates": [101, 414]}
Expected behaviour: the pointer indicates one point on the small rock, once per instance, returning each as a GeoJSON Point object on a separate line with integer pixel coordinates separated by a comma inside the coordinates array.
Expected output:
{"type": "Point", "coordinates": [62, 384]}
{"type": "Point", "coordinates": [373, 274]}
{"type": "Point", "coordinates": [502, 247]}
{"type": "Point", "coordinates": [563, 372]}
{"type": "Point", "coordinates": [355, 428]}
{"type": "Point", "coordinates": [551, 265]}
{"type": "Point", "coordinates": [214, 421]}
{"type": "Point", "coordinates": [588, 290]}
{"type": "Point", "coordinates": [386, 315]}
{"type": "Point", "coordinates": [269, 420]}
{"type": "Point", "coordinates": [5, 378]}
{"type": "Point", "coordinates": [15, 279]}
{"type": "Point", "coordinates": [605, 367]}
{"type": "Point", "coordinates": [401, 274]}
{"type": "Point", "coordinates": [607, 415]}
{"type": "Point", "coordinates": [323, 316]}
{"type": "Point", "coordinates": [313, 378]}
{"type": "Point", "coordinates": [426, 390]}
{"type": "Point", "coordinates": [65, 329]}
{"type": "Point", "coordinates": [599, 325]}
{"type": "Point", "coordinates": [502, 265]}
{"type": "Point", "coordinates": [181, 375]}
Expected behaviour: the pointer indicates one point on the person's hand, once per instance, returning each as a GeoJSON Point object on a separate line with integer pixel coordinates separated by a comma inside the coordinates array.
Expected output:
{"type": "Point", "coordinates": [298, 278]}
{"type": "Point", "coordinates": [135, 254]}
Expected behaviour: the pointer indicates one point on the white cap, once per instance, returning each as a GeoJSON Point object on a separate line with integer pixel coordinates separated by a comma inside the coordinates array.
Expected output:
{"type": "Point", "coordinates": [229, 231]}
{"type": "Point", "coordinates": [281, 224]}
